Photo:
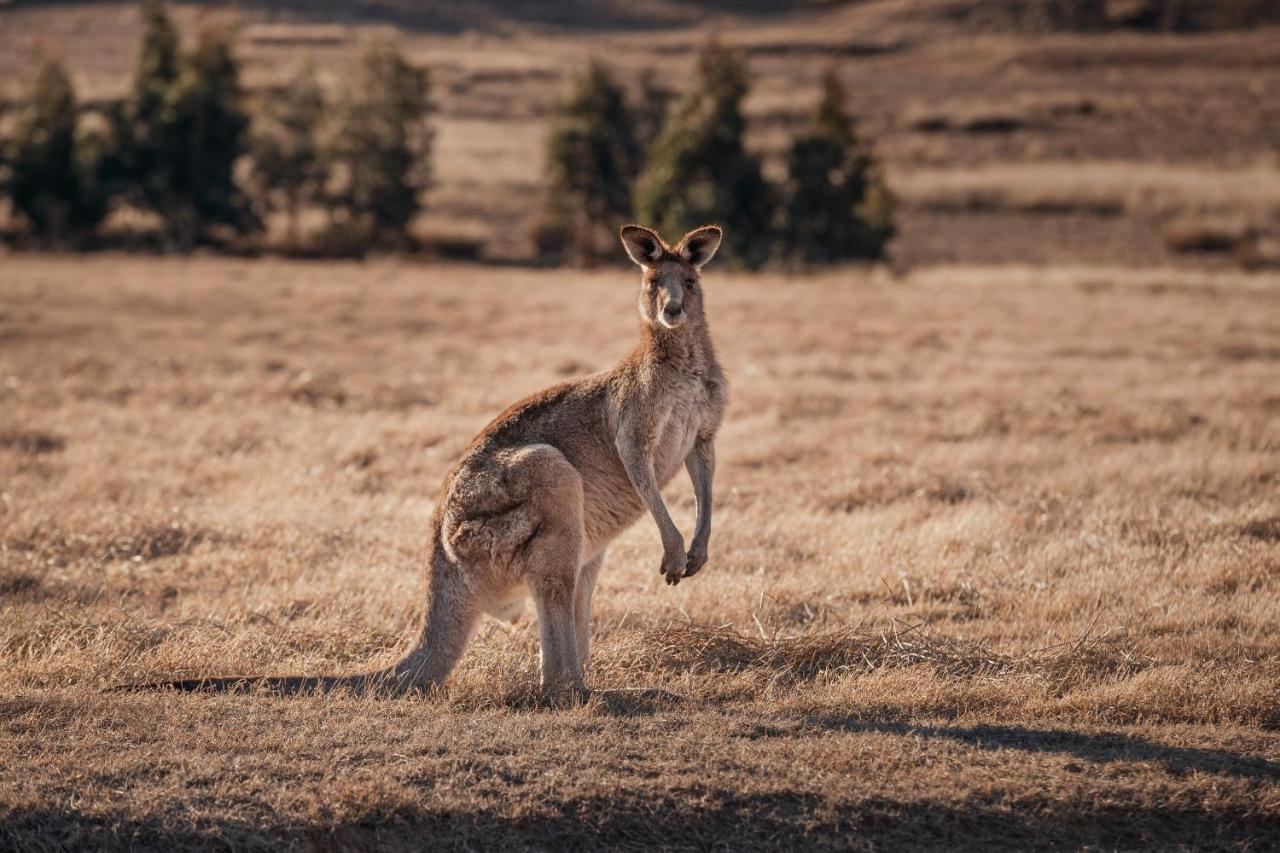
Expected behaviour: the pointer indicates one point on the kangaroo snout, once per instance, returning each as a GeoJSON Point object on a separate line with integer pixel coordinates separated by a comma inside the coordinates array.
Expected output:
{"type": "Point", "coordinates": [673, 316]}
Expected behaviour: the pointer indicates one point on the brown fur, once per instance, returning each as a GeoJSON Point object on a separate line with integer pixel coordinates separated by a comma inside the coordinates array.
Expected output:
{"type": "Point", "coordinates": [535, 500]}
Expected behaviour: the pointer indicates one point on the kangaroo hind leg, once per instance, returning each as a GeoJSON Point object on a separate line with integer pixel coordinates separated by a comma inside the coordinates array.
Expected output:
{"type": "Point", "coordinates": [548, 562]}
{"type": "Point", "coordinates": [582, 592]}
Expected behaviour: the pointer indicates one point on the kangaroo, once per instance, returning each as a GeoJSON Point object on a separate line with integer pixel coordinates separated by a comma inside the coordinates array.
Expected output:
{"type": "Point", "coordinates": [533, 503]}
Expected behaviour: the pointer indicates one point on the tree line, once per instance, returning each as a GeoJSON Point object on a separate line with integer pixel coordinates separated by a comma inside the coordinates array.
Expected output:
{"type": "Point", "coordinates": [611, 159]}
{"type": "Point", "coordinates": [188, 145]}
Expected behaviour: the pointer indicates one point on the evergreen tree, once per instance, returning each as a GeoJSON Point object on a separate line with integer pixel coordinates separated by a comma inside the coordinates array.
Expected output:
{"type": "Point", "coordinates": [4, 161]}
{"type": "Point", "coordinates": [593, 158]}
{"type": "Point", "coordinates": [699, 171]}
{"type": "Point", "coordinates": [287, 170]}
{"type": "Point", "coordinates": [379, 148]}
{"type": "Point", "coordinates": [138, 125]}
{"type": "Point", "coordinates": [180, 132]}
{"type": "Point", "coordinates": [52, 173]}
{"type": "Point", "coordinates": [157, 61]}
{"type": "Point", "coordinates": [652, 104]}
{"type": "Point", "coordinates": [836, 206]}
{"type": "Point", "coordinates": [204, 129]}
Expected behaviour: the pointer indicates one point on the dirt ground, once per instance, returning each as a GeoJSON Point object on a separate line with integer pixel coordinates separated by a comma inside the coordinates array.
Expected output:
{"type": "Point", "coordinates": [996, 563]}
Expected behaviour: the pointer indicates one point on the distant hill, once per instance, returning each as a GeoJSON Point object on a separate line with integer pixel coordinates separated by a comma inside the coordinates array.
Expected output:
{"type": "Point", "coordinates": [451, 17]}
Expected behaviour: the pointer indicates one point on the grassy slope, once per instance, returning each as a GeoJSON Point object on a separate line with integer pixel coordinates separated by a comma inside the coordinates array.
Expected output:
{"type": "Point", "coordinates": [1092, 143]}
{"type": "Point", "coordinates": [996, 560]}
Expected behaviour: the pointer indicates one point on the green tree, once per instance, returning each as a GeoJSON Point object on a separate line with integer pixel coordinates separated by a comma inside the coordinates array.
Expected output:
{"type": "Point", "coordinates": [181, 131]}
{"type": "Point", "coordinates": [4, 161]}
{"type": "Point", "coordinates": [836, 206]}
{"type": "Point", "coordinates": [139, 130]}
{"type": "Point", "coordinates": [287, 171]}
{"type": "Point", "coordinates": [157, 61]}
{"type": "Point", "coordinates": [593, 157]}
{"type": "Point", "coordinates": [52, 173]}
{"type": "Point", "coordinates": [204, 132]}
{"type": "Point", "coordinates": [379, 147]}
{"type": "Point", "coordinates": [699, 171]}
{"type": "Point", "coordinates": [653, 102]}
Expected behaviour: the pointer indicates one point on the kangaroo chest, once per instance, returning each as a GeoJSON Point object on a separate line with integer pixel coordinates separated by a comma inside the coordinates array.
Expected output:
{"type": "Point", "coordinates": [691, 406]}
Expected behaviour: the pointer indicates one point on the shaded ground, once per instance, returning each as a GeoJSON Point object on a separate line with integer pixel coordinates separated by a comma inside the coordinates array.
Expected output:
{"type": "Point", "coordinates": [521, 787]}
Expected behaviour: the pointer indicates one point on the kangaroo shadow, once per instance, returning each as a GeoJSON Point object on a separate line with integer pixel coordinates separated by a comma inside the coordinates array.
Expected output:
{"type": "Point", "coordinates": [1096, 748]}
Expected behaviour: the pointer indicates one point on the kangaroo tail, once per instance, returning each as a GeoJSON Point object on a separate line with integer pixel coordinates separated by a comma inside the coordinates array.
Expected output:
{"type": "Point", "coordinates": [451, 614]}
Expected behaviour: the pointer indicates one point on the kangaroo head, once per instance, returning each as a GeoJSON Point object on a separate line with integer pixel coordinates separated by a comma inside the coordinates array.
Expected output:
{"type": "Point", "coordinates": [670, 292]}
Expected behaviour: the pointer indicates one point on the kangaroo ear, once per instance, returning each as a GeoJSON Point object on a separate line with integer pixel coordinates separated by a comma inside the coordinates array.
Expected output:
{"type": "Point", "coordinates": [700, 244]}
{"type": "Point", "coordinates": [643, 245]}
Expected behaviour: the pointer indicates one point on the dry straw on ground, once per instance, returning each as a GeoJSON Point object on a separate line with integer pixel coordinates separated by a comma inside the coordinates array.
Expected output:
{"type": "Point", "coordinates": [996, 553]}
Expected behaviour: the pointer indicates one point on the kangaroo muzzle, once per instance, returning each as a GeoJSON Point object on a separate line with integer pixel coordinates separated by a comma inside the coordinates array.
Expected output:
{"type": "Point", "coordinates": [672, 313]}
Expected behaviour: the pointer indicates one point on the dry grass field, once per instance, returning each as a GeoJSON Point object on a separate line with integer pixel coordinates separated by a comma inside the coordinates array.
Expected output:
{"type": "Point", "coordinates": [996, 560]}
{"type": "Point", "coordinates": [996, 563]}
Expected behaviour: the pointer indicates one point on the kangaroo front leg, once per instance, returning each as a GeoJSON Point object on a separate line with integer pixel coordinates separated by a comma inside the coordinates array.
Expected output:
{"type": "Point", "coordinates": [701, 464]}
{"type": "Point", "coordinates": [639, 466]}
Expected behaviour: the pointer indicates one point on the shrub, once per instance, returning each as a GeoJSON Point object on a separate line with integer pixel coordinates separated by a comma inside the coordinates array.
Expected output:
{"type": "Point", "coordinates": [836, 206]}
{"type": "Point", "coordinates": [53, 171]}
{"type": "Point", "coordinates": [457, 241]}
{"type": "Point", "coordinates": [286, 169]}
{"type": "Point", "coordinates": [549, 234]}
{"type": "Point", "coordinates": [1262, 252]}
{"type": "Point", "coordinates": [593, 157]}
{"type": "Point", "coordinates": [378, 148]}
{"type": "Point", "coordinates": [699, 172]}
{"type": "Point", "coordinates": [1207, 234]}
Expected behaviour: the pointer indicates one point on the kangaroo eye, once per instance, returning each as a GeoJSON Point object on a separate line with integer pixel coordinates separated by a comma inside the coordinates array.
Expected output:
{"type": "Point", "coordinates": [691, 284]}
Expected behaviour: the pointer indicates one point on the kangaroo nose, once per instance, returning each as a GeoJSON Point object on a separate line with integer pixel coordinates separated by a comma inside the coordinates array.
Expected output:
{"type": "Point", "coordinates": [673, 311]}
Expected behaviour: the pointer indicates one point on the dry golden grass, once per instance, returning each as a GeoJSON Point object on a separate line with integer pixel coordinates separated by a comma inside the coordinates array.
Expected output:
{"type": "Point", "coordinates": [996, 563]}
